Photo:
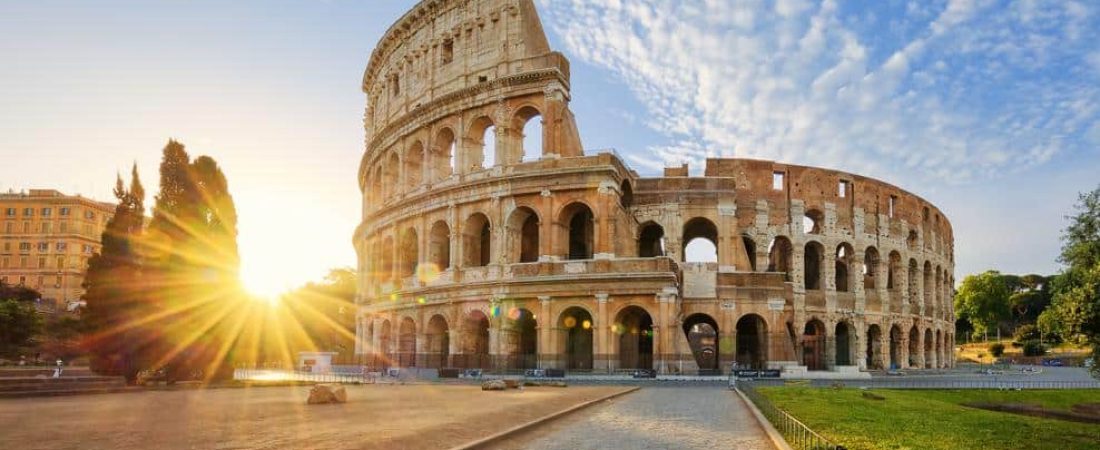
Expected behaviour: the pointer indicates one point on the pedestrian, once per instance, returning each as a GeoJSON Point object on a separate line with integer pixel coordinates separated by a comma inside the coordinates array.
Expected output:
{"type": "Point", "coordinates": [60, 367]}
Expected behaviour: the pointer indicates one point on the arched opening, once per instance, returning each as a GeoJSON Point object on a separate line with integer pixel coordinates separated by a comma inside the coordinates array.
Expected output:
{"type": "Point", "coordinates": [874, 347]}
{"type": "Point", "coordinates": [651, 241]}
{"type": "Point", "coordinates": [912, 240]}
{"type": "Point", "coordinates": [812, 265]}
{"type": "Point", "coordinates": [844, 340]}
{"type": "Point", "coordinates": [439, 246]}
{"type": "Point", "coordinates": [895, 347]}
{"type": "Point", "coordinates": [576, 326]}
{"type": "Point", "coordinates": [626, 198]}
{"type": "Point", "coordinates": [929, 289]}
{"type": "Point", "coordinates": [813, 345]}
{"type": "Point", "coordinates": [870, 269]}
{"type": "Point", "coordinates": [914, 283]}
{"type": "Point", "coordinates": [414, 166]}
{"type": "Point", "coordinates": [914, 347]}
{"type": "Point", "coordinates": [524, 227]}
{"type": "Point", "coordinates": [893, 272]}
{"type": "Point", "coordinates": [581, 231]}
{"type": "Point", "coordinates": [941, 355]}
{"type": "Point", "coordinates": [475, 341]}
{"type": "Point", "coordinates": [702, 335]}
{"type": "Point", "coordinates": [438, 342]}
{"type": "Point", "coordinates": [476, 241]}
{"type": "Point", "coordinates": [812, 221]}
{"type": "Point", "coordinates": [406, 343]}
{"type": "Point", "coordinates": [634, 328]}
{"type": "Point", "coordinates": [521, 339]}
{"type": "Point", "coordinates": [752, 342]}
{"type": "Point", "coordinates": [385, 344]}
{"type": "Point", "coordinates": [750, 251]}
{"type": "Point", "coordinates": [410, 252]}
{"type": "Point", "coordinates": [392, 177]}
{"type": "Point", "coordinates": [779, 256]}
{"type": "Point", "coordinates": [700, 241]}
{"type": "Point", "coordinates": [443, 155]}
{"type": "Point", "coordinates": [843, 262]}
{"type": "Point", "coordinates": [937, 293]}
{"type": "Point", "coordinates": [377, 198]}
{"type": "Point", "coordinates": [482, 138]}
{"type": "Point", "coordinates": [529, 120]}
{"type": "Point", "coordinates": [386, 269]}
{"type": "Point", "coordinates": [929, 355]}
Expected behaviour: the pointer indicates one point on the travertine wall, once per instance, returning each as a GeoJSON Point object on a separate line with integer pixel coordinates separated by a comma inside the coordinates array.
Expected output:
{"type": "Point", "coordinates": [560, 259]}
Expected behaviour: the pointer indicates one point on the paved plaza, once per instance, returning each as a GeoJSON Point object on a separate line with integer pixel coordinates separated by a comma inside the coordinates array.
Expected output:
{"type": "Point", "coordinates": [683, 417]}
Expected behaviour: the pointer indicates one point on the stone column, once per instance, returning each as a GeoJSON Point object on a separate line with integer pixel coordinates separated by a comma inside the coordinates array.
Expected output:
{"type": "Point", "coordinates": [546, 323]}
{"type": "Point", "coordinates": [858, 337]}
{"type": "Point", "coordinates": [830, 345]}
{"type": "Point", "coordinates": [601, 329]}
{"type": "Point", "coordinates": [903, 350]}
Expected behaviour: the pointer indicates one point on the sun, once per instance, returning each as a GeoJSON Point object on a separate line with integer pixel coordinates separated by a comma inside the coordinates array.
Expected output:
{"type": "Point", "coordinates": [264, 286]}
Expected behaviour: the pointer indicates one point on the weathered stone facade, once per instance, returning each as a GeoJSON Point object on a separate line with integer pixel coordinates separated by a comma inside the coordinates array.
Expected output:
{"type": "Point", "coordinates": [567, 260]}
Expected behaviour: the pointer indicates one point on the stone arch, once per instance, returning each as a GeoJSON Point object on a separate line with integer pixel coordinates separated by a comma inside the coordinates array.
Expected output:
{"type": "Point", "coordinates": [914, 346]}
{"type": "Point", "coordinates": [523, 228]}
{"type": "Point", "coordinates": [896, 341]}
{"type": "Point", "coordinates": [410, 252]}
{"type": "Point", "coordinates": [751, 349]}
{"type": "Point", "coordinates": [779, 256]}
{"type": "Point", "coordinates": [929, 349]}
{"type": "Point", "coordinates": [893, 271]}
{"type": "Point", "coordinates": [480, 151]}
{"type": "Point", "coordinates": [750, 251]}
{"type": "Point", "coordinates": [929, 289]}
{"type": "Point", "coordinates": [414, 165]}
{"type": "Point", "coordinates": [813, 222]}
{"type": "Point", "coordinates": [477, 241]}
{"type": "Point", "coordinates": [912, 241]}
{"type": "Point", "coordinates": [697, 232]}
{"type": "Point", "coordinates": [941, 356]}
{"type": "Point", "coordinates": [634, 328]}
{"type": "Point", "coordinates": [812, 258]}
{"type": "Point", "coordinates": [702, 336]}
{"type": "Point", "coordinates": [813, 345]}
{"type": "Point", "coordinates": [519, 340]}
{"type": "Point", "coordinates": [443, 154]}
{"type": "Point", "coordinates": [914, 283]}
{"type": "Point", "coordinates": [874, 347]}
{"type": "Point", "coordinates": [870, 268]}
{"type": "Point", "coordinates": [626, 194]}
{"type": "Point", "coordinates": [528, 121]}
{"type": "Point", "coordinates": [579, 230]}
{"type": "Point", "coordinates": [437, 342]}
{"type": "Point", "coordinates": [475, 340]}
{"type": "Point", "coordinates": [843, 275]}
{"type": "Point", "coordinates": [845, 336]}
{"type": "Point", "coordinates": [577, 342]}
{"type": "Point", "coordinates": [385, 343]}
{"type": "Point", "coordinates": [391, 177]}
{"type": "Point", "coordinates": [439, 246]}
{"type": "Point", "coordinates": [406, 343]}
{"type": "Point", "coordinates": [376, 187]}
{"type": "Point", "coordinates": [387, 259]}
{"type": "Point", "coordinates": [937, 294]}
{"type": "Point", "coordinates": [651, 240]}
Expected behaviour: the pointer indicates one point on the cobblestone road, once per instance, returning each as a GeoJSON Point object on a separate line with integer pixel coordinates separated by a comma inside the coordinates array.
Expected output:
{"type": "Point", "coordinates": [702, 417]}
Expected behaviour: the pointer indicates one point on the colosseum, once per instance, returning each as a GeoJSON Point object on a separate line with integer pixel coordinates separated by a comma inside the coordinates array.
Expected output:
{"type": "Point", "coordinates": [490, 238]}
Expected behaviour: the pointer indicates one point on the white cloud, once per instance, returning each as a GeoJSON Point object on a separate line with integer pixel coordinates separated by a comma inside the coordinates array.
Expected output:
{"type": "Point", "coordinates": [981, 89]}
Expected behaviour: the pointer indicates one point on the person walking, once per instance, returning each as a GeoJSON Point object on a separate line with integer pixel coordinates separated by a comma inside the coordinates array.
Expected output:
{"type": "Point", "coordinates": [60, 367]}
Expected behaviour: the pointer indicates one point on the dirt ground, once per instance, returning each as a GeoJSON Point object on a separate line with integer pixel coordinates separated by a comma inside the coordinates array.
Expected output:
{"type": "Point", "coordinates": [377, 416]}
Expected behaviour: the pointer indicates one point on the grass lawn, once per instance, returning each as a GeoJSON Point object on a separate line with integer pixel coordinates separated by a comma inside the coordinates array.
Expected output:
{"type": "Point", "coordinates": [920, 419]}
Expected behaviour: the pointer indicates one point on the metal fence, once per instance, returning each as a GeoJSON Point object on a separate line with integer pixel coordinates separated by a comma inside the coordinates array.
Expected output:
{"type": "Point", "coordinates": [797, 434]}
{"type": "Point", "coordinates": [276, 375]}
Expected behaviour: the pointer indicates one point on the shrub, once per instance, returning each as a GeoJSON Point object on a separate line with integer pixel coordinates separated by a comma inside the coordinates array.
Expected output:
{"type": "Point", "coordinates": [1026, 333]}
{"type": "Point", "coordinates": [1034, 348]}
{"type": "Point", "coordinates": [997, 349]}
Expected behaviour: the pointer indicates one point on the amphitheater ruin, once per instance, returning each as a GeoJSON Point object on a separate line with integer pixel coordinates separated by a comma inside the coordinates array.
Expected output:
{"type": "Point", "coordinates": [491, 239]}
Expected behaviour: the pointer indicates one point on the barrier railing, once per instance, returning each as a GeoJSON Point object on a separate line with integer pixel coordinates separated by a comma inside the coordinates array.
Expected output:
{"type": "Point", "coordinates": [274, 375]}
{"type": "Point", "coordinates": [797, 434]}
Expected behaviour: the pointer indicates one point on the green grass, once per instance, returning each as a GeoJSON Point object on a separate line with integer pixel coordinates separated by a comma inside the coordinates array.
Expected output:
{"type": "Point", "coordinates": [920, 419]}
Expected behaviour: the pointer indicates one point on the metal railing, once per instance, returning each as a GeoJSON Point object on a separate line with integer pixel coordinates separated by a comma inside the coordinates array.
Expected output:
{"type": "Point", "coordinates": [276, 375]}
{"type": "Point", "coordinates": [796, 433]}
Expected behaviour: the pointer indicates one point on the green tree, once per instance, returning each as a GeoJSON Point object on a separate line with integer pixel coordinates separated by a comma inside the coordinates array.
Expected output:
{"type": "Point", "coordinates": [326, 310]}
{"type": "Point", "coordinates": [116, 305]}
{"type": "Point", "coordinates": [983, 301]}
{"type": "Point", "coordinates": [1077, 290]}
{"type": "Point", "coordinates": [19, 321]}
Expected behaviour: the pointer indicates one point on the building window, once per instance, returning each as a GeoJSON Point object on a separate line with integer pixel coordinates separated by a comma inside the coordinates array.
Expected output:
{"type": "Point", "coordinates": [448, 51]}
{"type": "Point", "coordinates": [47, 212]}
{"type": "Point", "coordinates": [777, 180]}
{"type": "Point", "coordinates": [60, 262]}
{"type": "Point", "coordinates": [64, 211]}
{"type": "Point", "coordinates": [62, 247]}
{"type": "Point", "coordinates": [8, 227]}
{"type": "Point", "coordinates": [22, 281]}
{"type": "Point", "coordinates": [89, 215]}
{"type": "Point", "coordinates": [64, 228]}
{"type": "Point", "coordinates": [28, 212]}
{"type": "Point", "coordinates": [43, 247]}
{"type": "Point", "coordinates": [11, 212]}
{"type": "Point", "coordinates": [57, 283]}
{"type": "Point", "coordinates": [6, 262]}
{"type": "Point", "coordinates": [843, 188]}
{"type": "Point", "coordinates": [42, 263]}
{"type": "Point", "coordinates": [46, 227]}
{"type": "Point", "coordinates": [893, 203]}
{"type": "Point", "coordinates": [7, 246]}
{"type": "Point", "coordinates": [23, 262]}
{"type": "Point", "coordinates": [25, 247]}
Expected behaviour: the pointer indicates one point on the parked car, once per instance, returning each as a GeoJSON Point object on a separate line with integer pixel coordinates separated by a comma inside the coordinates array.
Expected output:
{"type": "Point", "coordinates": [1053, 362]}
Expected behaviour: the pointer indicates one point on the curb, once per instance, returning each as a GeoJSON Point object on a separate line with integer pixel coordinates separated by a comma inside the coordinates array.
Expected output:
{"type": "Point", "coordinates": [773, 434]}
{"type": "Point", "coordinates": [481, 443]}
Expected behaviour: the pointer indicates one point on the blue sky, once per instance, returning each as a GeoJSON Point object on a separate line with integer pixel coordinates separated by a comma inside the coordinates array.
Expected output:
{"type": "Point", "coordinates": [989, 109]}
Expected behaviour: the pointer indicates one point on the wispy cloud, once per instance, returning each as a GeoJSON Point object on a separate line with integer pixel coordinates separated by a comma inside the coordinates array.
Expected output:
{"type": "Point", "coordinates": [925, 91]}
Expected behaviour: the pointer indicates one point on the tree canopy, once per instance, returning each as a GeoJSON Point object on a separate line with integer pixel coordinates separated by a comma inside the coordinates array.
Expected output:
{"type": "Point", "coordinates": [1077, 290]}
{"type": "Point", "coordinates": [19, 321]}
